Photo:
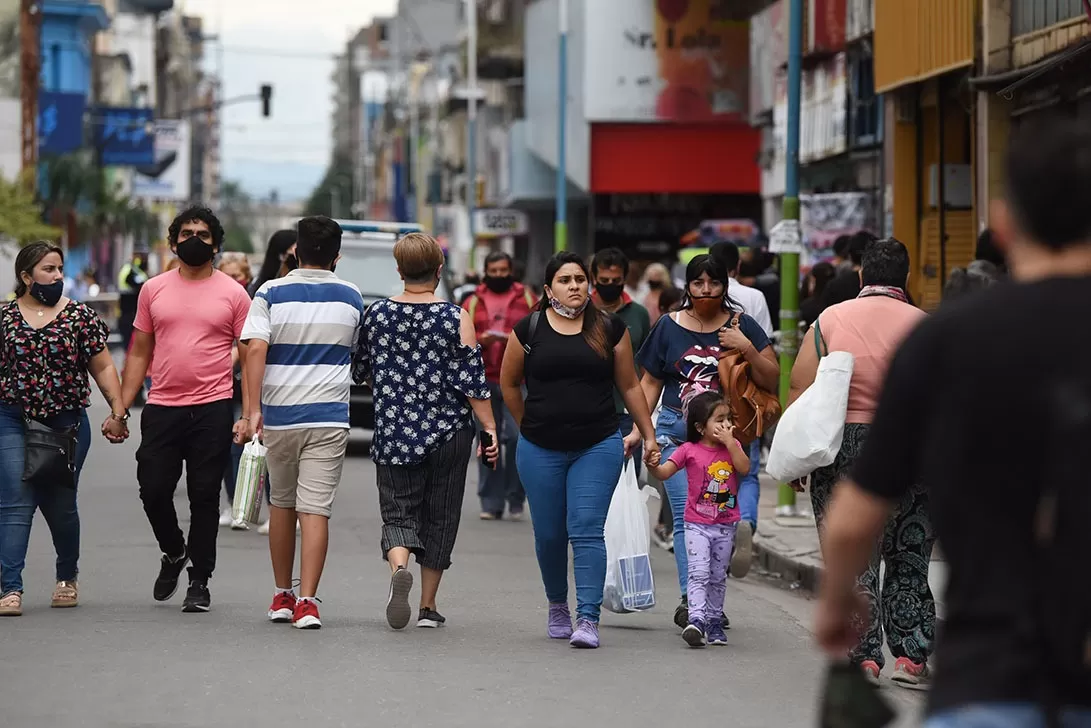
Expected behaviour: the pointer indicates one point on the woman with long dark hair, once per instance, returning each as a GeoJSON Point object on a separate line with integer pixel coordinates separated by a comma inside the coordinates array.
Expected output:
{"type": "Point", "coordinates": [277, 258]}
{"type": "Point", "coordinates": [48, 346]}
{"type": "Point", "coordinates": [570, 452]}
{"type": "Point", "coordinates": [680, 360]}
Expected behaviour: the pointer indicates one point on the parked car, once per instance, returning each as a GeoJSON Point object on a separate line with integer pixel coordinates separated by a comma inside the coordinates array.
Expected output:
{"type": "Point", "coordinates": [367, 260]}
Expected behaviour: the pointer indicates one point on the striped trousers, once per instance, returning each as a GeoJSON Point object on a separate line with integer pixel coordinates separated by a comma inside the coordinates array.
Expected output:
{"type": "Point", "coordinates": [421, 504]}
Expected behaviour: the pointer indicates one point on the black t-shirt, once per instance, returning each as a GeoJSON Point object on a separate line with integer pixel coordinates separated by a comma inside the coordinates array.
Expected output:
{"type": "Point", "coordinates": [570, 388]}
{"type": "Point", "coordinates": [983, 404]}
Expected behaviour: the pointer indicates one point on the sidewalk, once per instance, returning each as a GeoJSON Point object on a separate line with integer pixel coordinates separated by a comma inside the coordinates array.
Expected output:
{"type": "Point", "coordinates": [791, 553]}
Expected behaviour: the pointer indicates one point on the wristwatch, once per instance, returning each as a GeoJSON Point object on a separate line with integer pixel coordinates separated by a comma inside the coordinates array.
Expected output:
{"type": "Point", "coordinates": [123, 418]}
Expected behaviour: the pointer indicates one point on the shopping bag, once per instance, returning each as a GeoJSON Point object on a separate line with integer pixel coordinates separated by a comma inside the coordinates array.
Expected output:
{"type": "Point", "coordinates": [250, 483]}
{"type": "Point", "coordinates": [629, 585]}
{"type": "Point", "coordinates": [809, 433]}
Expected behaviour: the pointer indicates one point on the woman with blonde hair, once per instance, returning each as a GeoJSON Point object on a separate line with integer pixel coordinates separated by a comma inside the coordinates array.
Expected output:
{"type": "Point", "coordinates": [656, 280]}
{"type": "Point", "coordinates": [420, 355]}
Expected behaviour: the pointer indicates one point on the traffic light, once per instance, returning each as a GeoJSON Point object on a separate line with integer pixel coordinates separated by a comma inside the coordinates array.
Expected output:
{"type": "Point", "coordinates": [266, 100]}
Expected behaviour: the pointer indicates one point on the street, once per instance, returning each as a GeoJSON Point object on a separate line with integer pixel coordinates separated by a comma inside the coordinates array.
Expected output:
{"type": "Point", "coordinates": [122, 659]}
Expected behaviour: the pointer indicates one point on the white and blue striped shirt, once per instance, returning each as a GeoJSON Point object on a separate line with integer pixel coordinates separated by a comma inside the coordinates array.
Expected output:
{"type": "Point", "coordinates": [310, 319]}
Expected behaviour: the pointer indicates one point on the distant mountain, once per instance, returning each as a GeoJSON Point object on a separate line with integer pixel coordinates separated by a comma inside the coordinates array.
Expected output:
{"type": "Point", "coordinates": [291, 180]}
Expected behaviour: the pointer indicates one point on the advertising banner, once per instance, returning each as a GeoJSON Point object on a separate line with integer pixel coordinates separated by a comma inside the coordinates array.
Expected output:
{"type": "Point", "coordinates": [125, 137]}
{"type": "Point", "coordinates": [768, 56]}
{"type": "Point", "coordinates": [60, 122]}
{"type": "Point", "coordinates": [168, 178]}
{"type": "Point", "coordinates": [665, 60]}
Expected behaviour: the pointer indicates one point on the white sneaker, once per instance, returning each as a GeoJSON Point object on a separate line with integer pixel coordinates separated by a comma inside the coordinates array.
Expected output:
{"type": "Point", "coordinates": [263, 529]}
{"type": "Point", "coordinates": [239, 525]}
{"type": "Point", "coordinates": [225, 517]}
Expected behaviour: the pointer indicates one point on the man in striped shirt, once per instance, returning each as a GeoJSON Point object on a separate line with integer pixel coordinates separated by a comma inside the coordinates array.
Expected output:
{"type": "Point", "coordinates": [301, 330]}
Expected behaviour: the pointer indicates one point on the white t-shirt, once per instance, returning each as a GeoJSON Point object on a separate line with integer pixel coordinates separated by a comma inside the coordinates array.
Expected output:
{"type": "Point", "coordinates": [753, 304]}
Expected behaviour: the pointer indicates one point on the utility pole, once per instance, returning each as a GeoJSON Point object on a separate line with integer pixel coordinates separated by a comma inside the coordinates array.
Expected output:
{"type": "Point", "coordinates": [471, 119]}
{"type": "Point", "coordinates": [786, 237]}
{"type": "Point", "coordinates": [30, 68]}
{"type": "Point", "coordinates": [560, 227]}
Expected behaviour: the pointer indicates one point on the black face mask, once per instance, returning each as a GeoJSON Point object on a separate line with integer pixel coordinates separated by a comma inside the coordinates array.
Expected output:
{"type": "Point", "coordinates": [609, 292]}
{"type": "Point", "coordinates": [48, 294]}
{"type": "Point", "coordinates": [194, 252]}
{"type": "Point", "coordinates": [291, 262]}
{"type": "Point", "coordinates": [499, 284]}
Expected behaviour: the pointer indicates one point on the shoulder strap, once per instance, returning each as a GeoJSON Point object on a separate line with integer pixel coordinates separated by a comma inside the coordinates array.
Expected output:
{"type": "Point", "coordinates": [472, 308]}
{"type": "Point", "coordinates": [819, 342]}
{"type": "Point", "coordinates": [533, 326]}
{"type": "Point", "coordinates": [529, 297]}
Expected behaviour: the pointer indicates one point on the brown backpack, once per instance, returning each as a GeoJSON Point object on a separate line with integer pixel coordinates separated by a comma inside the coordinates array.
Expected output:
{"type": "Point", "coordinates": [754, 410]}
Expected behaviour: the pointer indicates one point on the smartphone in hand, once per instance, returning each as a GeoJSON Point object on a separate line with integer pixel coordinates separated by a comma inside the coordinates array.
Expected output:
{"type": "Point", "coordinates": [486, 443]}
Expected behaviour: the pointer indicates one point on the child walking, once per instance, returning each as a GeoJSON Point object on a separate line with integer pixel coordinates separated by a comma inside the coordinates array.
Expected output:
{"type": "Point", "coordinates": [714, 461]}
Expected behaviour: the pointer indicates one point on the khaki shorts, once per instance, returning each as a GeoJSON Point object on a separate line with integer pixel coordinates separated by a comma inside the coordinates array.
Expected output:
{"type": "Point", "coordinates": [305, 467]}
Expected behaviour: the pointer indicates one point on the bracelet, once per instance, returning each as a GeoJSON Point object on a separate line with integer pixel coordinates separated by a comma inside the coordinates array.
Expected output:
{"type": "Point", "coordinates": [120, 418]}
{"type": "Point", "coordinates": [244, 419]}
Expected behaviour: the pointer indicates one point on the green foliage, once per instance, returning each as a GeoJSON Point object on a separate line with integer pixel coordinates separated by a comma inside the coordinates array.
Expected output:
{"type": "Point", "coordinates": [336, 186]}
{"type": "Point", "coordinates": [20, 215]}
{"type": "Point", "coordinates": [236, 214]}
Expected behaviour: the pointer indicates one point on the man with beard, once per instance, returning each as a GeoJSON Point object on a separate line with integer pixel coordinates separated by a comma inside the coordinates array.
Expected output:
{"type": "Point", "coordinates": [610, 270]}
{"type": "Point", "coordinates": [187, 323]}
{"type": "Point", "coordinates": [495, 307]}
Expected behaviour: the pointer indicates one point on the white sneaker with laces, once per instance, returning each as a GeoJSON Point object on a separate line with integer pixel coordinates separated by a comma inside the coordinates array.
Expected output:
{"type": "Point", "coordinates": [225, 517]}
{"type": "Point", "coordinates": [239, 525]}
{"type": "Point", "coordinates": [263, 529]}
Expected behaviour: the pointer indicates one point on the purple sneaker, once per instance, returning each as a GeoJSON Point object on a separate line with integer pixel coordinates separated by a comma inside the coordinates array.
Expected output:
{"type": "Point", "coordinates": [586, 634]}
{"type": "Point", "coordinates": [560, 622]}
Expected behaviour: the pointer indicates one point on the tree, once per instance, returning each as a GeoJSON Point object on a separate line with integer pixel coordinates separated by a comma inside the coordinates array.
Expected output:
{"type": "Point", "coordinates": [336, 185]}
{"type": "Point", "coordinates": [236, 213]}
{"type": "Point", "coordinates": [20, 215]}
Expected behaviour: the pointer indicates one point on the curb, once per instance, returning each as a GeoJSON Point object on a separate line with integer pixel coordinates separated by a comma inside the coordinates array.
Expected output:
{"type": "Point", "coordinates": [786, 569]}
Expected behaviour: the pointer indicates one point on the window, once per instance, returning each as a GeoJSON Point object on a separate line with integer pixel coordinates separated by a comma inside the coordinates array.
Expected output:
{"type": "Point", "coordinates": [865, 108]}
{"type": "Point", "coordinates": [1028, 16]}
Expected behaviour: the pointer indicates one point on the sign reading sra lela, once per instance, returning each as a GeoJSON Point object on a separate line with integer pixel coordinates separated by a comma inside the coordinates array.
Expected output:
{"type": "Point", "coordinates": [499, 223]}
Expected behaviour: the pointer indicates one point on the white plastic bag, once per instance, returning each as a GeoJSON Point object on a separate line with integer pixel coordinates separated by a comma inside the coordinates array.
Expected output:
{"type": "Point", "coordinates": [250, 483]}
{"type": "Point", "coordinates": [629, 585]}
{"type": "Point", "coordinates": [809, 433]}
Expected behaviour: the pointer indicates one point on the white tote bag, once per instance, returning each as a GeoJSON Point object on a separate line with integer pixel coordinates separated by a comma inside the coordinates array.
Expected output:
{"type": "Point", "coordinates": [809, 433]}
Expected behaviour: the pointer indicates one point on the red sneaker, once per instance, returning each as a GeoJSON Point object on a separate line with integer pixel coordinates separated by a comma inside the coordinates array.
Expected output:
{"type": "Point", "coordinates": [306, 615]}
{"type": "Point", "coordinates": [283, 607]}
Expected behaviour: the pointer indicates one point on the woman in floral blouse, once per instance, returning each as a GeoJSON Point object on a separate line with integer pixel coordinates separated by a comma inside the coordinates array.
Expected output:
{"type": "Point", "coordinates": [48, 345]}
{"type": "Point", "coordinates": [420, 355]}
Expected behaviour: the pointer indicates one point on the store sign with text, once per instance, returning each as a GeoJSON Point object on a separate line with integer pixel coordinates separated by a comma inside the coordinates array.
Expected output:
{"type": "Point", "coordinates": [500, 223]}
{"type": "Point", "coordinates": [666, 60]}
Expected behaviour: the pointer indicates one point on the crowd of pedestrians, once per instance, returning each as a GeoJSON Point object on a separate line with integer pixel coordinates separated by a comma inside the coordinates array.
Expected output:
{"type": "Point", "coordinates": [554, 394]}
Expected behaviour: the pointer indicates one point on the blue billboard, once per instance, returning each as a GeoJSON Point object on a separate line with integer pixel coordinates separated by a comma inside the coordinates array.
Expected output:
{"type": "Point", "coordinates": [125, 137]}
{"type": "Point", "coordinates": [60, 122]}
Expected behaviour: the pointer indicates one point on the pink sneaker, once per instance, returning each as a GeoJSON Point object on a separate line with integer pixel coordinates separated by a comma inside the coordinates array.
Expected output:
{"type": "Point", "coordinates": [910, 675]}
{"type": "Point", "coordinates": [871, 671]}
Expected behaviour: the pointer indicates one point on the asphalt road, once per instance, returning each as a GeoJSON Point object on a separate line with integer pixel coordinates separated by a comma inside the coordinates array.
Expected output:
{"type": "Point", "coordinates": [122, 659]}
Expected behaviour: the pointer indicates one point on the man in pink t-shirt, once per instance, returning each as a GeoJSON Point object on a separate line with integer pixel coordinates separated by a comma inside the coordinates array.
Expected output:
{"type": "Point", "coordinates": [187, 323]}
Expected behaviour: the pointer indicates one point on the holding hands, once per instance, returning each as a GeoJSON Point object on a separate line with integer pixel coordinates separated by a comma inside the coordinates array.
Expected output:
{"type": "Point", "coordinates": [116, 428]}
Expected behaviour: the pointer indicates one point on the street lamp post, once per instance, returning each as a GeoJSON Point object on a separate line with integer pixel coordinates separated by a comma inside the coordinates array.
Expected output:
{"type": "Point", "coordinates": [560, 229]}
{"type": "Point", "coordinates": [471, 119]}
{"type": "Point", "coordinates": [789, 254]}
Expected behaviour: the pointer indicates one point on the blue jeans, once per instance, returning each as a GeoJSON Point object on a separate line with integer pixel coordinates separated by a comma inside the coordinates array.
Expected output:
{"type": "Point", "coordinates": [569, 495]}
{"type": "Point", "coordinates": [1006, 715]}
{"type": "Point", "coordinates": [501, 485]}
{"type": "Point", "coordinates": [750, 487]}
{"type": "Point", "coordinates": [19, 501]}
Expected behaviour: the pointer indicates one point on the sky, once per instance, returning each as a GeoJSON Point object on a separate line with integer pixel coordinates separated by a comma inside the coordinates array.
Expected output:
{"type": "Point", "coordinates": [289, 44]}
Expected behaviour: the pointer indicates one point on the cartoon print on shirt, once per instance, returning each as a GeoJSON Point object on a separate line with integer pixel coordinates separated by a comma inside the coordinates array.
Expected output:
{"type": "Point", "coordinates": [700, 373]}
{"type": "Point", "coordinates": [717, 497]}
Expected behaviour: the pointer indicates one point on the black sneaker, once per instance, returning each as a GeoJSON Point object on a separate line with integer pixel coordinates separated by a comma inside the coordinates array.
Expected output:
{"type": "Point", "coordinates": [197, 597]}
{"type": "Point", "coordinates": [166, 584]}
{"type": "Point", "coordinates": [398, 611]}
{"type": "Point", "coordinates": [681, 613]}
{"type": "Point", "coordinates": [430, 619]}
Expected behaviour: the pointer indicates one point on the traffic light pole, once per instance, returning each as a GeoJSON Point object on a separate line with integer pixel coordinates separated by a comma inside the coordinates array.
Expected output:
{"type": "Point", "coordinates": [789, 255]}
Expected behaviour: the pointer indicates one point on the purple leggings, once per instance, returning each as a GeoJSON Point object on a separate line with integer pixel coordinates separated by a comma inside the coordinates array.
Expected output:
{"type": "Point", "coordinates": [709, 552]}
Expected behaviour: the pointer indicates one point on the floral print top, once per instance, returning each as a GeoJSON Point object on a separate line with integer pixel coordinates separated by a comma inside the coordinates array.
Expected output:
{"type": "Point", "coordinates": [421, 375]}
{"type": "Point", "coordinates": [44, 371]}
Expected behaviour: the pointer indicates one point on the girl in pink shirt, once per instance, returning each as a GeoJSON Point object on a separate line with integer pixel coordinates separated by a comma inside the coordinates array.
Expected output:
{"type": "Point", "coordinates": [713, 461]}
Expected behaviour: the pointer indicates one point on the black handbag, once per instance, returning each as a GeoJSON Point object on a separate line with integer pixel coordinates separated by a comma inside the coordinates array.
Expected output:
{"type": "Point", "coordinates": [50, 456]}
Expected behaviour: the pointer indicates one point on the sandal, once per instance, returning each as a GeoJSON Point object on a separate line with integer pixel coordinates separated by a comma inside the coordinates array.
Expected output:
{"type": "Point", "coordinates": [65, 595]}
{"type": "Point", "coordinates": [11, 605]}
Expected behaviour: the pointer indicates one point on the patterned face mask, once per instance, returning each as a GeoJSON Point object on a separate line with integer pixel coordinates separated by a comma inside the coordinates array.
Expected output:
{"type": "Point", "coordinates": [567, 311]}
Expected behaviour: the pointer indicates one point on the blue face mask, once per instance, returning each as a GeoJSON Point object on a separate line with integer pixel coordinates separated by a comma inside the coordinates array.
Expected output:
{"type": "Point", "coordinates": [50, 294]}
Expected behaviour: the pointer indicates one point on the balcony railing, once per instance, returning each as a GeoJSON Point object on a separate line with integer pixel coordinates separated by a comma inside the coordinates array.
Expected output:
{"type": "Point", "coordinates": [1028, 16]}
